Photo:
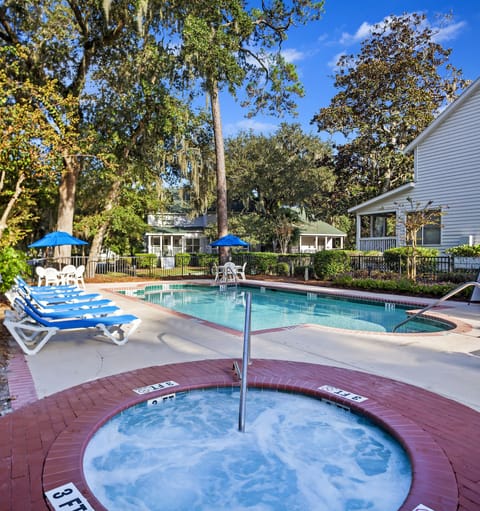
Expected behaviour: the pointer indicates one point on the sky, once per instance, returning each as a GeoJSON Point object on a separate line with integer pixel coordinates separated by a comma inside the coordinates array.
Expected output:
{"type": "Point", "coordinates": [315, 49]}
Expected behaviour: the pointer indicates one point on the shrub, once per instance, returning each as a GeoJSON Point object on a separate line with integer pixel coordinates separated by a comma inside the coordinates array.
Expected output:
{"type": "Point", "coordinates": [393, 256]}
{"type": "Point", "coordinates": [12, 263]}
{"type": "Point", "coordinates": [464, 251]}
{"type": "Point", "coordinates": [262, 262]}
{"type": "Point", "coordinates": [282, 269]}
{"type": "Point", "coordinates": [398, 286]}
{"type": "Point", "coordinates": [182, 259]}
{"type": "Point", "coordinates": [146, 260]}
{"type": "Point", "coordinates": [329, 263]}
{"type": "Point", "coordinates": [207, 259]}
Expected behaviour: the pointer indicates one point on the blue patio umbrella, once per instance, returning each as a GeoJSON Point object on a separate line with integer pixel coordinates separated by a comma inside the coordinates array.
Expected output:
{"type": "Point", "coordinates": [229, 241]}
{"type": "Point", "coordinates": [55, 239]}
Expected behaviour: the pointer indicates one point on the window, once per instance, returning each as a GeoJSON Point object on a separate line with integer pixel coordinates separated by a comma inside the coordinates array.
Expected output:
{"type": "Point", "coordinates": [192, 245]}
{"type": "Point", "coordinates": [430, 234]}
{"type": "Point", "coordinates": [378, 226]}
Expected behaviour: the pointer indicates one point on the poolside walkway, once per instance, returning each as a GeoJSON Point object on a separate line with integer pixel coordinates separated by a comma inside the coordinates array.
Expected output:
{"type": "Point", "coordinates": [82, 380]}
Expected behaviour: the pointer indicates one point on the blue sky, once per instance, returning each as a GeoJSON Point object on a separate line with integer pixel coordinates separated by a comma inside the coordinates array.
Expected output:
{"type": "Point", "coordinates": [315, 49]}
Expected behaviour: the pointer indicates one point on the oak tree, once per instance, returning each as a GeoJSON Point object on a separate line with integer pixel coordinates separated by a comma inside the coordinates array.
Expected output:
{"type": "Point", "coordinates": [388, 94]}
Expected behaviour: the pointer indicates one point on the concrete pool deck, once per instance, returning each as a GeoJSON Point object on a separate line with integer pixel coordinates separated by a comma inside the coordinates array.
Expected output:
{"type": "Point", "coordinates": [399, 371]}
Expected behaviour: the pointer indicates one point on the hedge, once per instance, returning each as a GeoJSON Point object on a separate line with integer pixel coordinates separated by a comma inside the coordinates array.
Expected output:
{"type": "Point", "coordinates": [464, 251]}
{"type": "Point", "coordinates": [399, 286]}
{"type": "Point", "coordinates": [182, 259]}
{"type": "Point", "coordinates": [262, 262]}
{"type": "Point", "coordinates": [146, 260]}
{"type": "Point", "coordinates": [329, 263]}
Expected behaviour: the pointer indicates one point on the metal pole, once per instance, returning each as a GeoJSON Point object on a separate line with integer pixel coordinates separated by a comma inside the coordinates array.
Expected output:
{"type": "Point", "coordinates": [245, 363]}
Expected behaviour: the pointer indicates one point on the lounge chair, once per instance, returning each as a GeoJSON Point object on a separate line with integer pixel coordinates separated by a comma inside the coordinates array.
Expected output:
{"type": "Point", "coordinates": [74, 310]}
{"type": "Point", "coordinates": [60, 296]}
{"type": "Point", "coordinates": [20, 282]}
{"type": "Point", "coordinates": [33, 331]}
{"type": "Point", "coordinates": [87, 304]}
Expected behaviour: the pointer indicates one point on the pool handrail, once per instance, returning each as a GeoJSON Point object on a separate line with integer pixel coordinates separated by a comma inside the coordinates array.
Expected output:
{"type": "Point", "coordinates": [459, 288]}
{"type": "Point", "coordinates": [245, 363]}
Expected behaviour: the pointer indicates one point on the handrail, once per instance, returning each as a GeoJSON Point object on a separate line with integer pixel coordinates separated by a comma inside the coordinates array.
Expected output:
{"type": "Point", "coordinates": [245, 363]}
{"type": "Point", "coordinates": [459, 288]}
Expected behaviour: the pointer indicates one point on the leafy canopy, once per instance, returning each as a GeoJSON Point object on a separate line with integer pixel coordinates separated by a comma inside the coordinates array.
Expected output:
{"type": "Point", "coordinates": [388, 94]}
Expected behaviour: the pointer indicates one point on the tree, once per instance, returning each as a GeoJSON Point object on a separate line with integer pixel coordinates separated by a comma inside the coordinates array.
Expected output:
{"type": "Point", "coordinates": [271, 176]}
{"type": "Point", "coordinates": [389, 93]}
{"type": "Point", "coordinates": [61, 43]}
{"type": "Point", "coordinates": [414, 217]}
{"type": "Point", "coordinates": [35, 123]}
{"type": "Point", "coordinates": [224, 45]}
{"type": "Point", "coordinates": [146, 137]}
{"type": "Point", "coordinates": [122, 125]}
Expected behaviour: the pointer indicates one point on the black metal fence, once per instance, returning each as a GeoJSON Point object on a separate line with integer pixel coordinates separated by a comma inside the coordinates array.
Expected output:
{"type": "Point", "coordinates": [434, 269]}
{"type": "Point", "coordinates": [440, 268]}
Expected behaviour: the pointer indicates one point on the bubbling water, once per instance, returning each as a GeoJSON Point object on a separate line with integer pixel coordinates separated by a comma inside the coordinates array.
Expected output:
{"type": "Point", "coordinates": [297, 454]}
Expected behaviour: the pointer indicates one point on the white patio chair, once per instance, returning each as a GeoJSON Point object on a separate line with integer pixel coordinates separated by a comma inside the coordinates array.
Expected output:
{"type": "Point", "coordinates": [241, 271]}
{"type": "Point", "coordinates": [52, 277]}
{"type": "Point", "coordinates": [67, 273]}
{"type": "Point", "coordinates": [229, 272]}
{"type": "Point", "coordinates": [40, 272]}
{"type": "Point", "coordinates": [78, 277]}
{"type": "Point", "coordinates": [217, 271]}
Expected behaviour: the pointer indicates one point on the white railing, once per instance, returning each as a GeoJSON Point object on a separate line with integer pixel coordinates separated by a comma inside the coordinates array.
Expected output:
{"type": "Point", "coordinates": [378, 244]}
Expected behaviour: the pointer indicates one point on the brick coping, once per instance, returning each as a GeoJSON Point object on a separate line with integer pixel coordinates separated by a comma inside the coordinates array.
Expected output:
{"type": "Point", "coordinates": [434, 481]}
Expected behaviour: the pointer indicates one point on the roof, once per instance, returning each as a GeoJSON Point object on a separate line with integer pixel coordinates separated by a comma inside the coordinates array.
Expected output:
{"type": "Point", "coordinates": [404, 188]}
{"type": "Point", "coordinates": [319, 227]}
{"type": "Point", "coordinates": [173, 230]}
{"type": "Point", "coordinates": [452, 107]}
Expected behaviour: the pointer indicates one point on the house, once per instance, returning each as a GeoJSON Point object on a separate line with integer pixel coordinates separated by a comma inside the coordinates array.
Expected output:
{"type": "Point", "coordinates": [315, 236]}
{"type": "Point", "coordinates": [173, 233]}
{"type": "Point", "coordinates": [446, 172]}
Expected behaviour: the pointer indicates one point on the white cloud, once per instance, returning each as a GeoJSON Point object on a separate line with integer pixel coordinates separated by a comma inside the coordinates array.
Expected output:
{"type": "Point", "coordinates": [362, 32]}
{"type": "Point", "coordinates": [248, 125]}
{"type": "Point", "coordinates": [448, 32]}
{"type": "Point", "coordinates": [444, 32]}
{"type": "Point", "coordinates": [292, 55]}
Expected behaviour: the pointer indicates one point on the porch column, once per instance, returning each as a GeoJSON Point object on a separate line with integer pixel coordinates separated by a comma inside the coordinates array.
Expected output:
{"type": "Point", "coordinates": [358, 231]}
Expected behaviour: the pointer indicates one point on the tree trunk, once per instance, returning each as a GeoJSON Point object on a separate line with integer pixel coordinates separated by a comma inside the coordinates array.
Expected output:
{"type": "Point", "coordinates": [222, 217]}
{"type": "Point", "coordinates": [97, 241]}
{"type": "Point", "coordinates": [66, 203]}
{"type": "Point", "coordinates": [11, 202]}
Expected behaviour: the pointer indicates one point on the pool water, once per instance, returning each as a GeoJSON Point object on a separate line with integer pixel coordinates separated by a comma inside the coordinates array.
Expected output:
{"type": "Point", "coordinates": [297, 454]}
{"type": "Point", "coordinates": [275, 309]}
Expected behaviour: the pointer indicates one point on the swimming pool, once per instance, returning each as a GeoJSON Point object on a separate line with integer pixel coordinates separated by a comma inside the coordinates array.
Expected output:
{"type": "Point", "coordinates": [298, 453]}
{"type": "Point", "coordinates": [277, 309]}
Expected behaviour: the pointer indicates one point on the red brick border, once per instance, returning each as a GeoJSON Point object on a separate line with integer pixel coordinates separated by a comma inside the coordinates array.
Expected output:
{"type": "Point", "coordinates": [41, 444]}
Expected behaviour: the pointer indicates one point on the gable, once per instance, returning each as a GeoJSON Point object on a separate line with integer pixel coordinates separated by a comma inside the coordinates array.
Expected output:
{"type": "Point", "coordinates": [319, 228]}
{"type": "Point", "coordinates": [459, 104]}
